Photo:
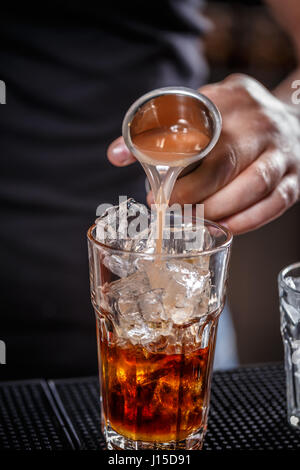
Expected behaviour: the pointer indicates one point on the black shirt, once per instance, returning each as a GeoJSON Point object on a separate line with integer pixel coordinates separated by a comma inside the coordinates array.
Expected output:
{"type": "Point", "coordinates": [71, 70]}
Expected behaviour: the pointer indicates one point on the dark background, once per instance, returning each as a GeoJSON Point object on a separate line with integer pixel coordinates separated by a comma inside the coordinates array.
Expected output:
{"type": "Point", "coordinates": [246, 39]}
{"type": "Point", "coordinates": [243, 38]}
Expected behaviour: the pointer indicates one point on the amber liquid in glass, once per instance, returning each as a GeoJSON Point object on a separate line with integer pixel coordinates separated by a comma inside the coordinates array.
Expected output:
{"type": "Point", "coordinates": [153, 396]}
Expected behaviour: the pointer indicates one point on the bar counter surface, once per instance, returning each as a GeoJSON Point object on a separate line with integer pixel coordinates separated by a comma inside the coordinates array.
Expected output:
{"type": "Point", "coordinates": [247, 412]}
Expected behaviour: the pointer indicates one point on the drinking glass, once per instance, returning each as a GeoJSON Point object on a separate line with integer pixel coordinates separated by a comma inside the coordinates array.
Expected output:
{"type": "Point", "coordinates": [156, 320]}
{"type": "Point", "coordinates": [289, 297]}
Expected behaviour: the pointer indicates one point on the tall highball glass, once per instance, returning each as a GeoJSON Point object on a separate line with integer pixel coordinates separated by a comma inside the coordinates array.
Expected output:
{"type": "Point", "coordinates": [156, 319]}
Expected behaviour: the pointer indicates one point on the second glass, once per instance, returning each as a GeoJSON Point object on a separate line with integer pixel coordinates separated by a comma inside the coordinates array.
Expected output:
{"type": "Point", "coordinates": [289, 297]}
{"type": "Point", "coordinates": [156, 331]}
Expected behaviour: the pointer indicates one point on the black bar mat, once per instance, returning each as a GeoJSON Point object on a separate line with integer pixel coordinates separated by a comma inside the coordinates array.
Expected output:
{"type": "Point", "coordinates": [29, 418]}
{"type": "Point", "coordinates": [248, 410]}
{"type": "Point", "coordinates": [78, 401]}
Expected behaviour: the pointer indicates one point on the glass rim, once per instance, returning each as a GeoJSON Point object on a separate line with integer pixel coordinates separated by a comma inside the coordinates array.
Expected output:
{"type": "Point", "coordinates": [225, 245]}
{"type": "Point", "coordinates": [282, 274]}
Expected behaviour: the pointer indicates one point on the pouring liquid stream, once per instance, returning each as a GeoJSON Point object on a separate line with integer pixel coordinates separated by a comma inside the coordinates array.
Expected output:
{"type": "Point", "coordinates": [169, 149]}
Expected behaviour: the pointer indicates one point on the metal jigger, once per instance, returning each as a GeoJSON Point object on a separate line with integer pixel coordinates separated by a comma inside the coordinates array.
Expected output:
{"type": "Point", "coordinates": [166, 107]}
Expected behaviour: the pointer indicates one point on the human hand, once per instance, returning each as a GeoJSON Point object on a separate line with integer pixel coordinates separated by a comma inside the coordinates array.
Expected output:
{"type": "Point", "coordinates": [253, 174]}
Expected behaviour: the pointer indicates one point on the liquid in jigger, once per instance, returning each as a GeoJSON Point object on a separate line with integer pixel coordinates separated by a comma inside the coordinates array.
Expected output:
{"type": "Point", "coordinates": [171, 145]}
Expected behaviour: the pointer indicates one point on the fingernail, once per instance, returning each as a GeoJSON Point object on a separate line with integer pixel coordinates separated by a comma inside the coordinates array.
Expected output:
{"type": "Point", "coordinates": [120, 152]}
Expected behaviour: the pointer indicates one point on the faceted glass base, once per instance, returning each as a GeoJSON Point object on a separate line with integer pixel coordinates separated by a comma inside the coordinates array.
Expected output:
{"type": "Point", "coordinates": [117, 442]}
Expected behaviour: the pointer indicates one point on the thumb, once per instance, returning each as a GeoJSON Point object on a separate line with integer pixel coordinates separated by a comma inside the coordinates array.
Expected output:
{"type": "Point", "coordinates": [118, 154]}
